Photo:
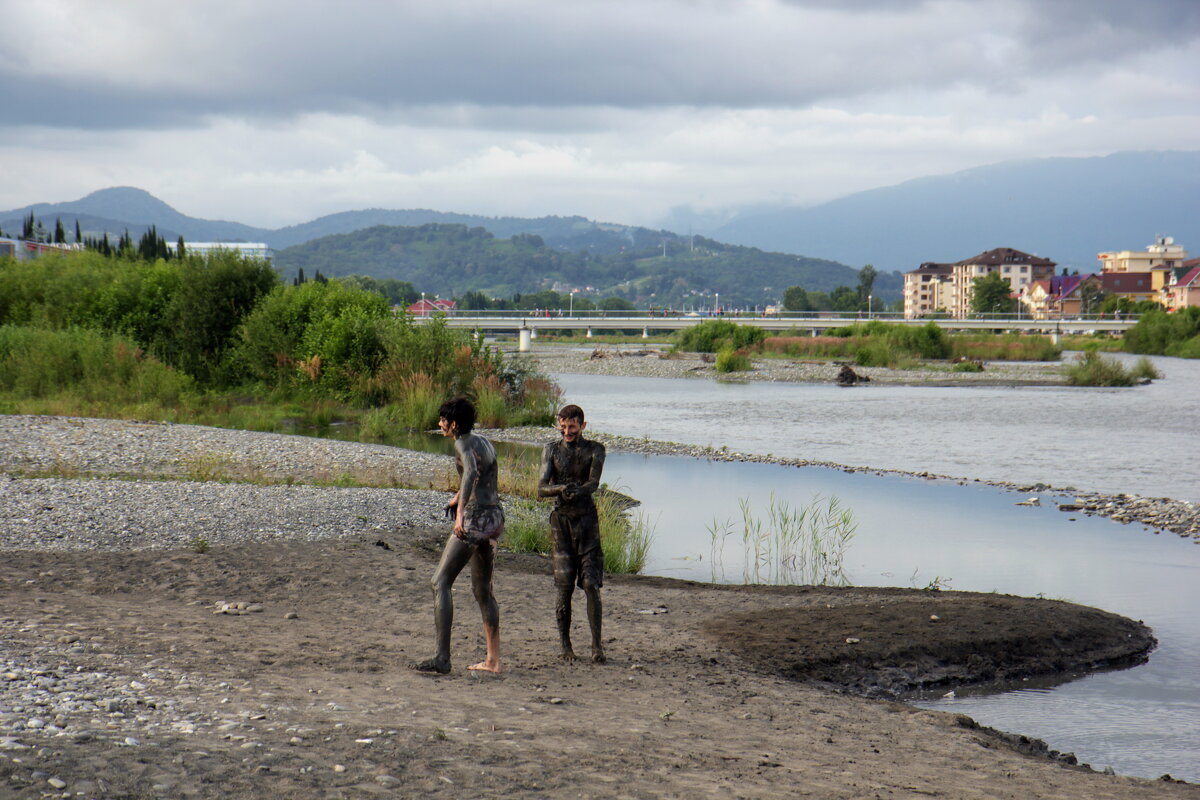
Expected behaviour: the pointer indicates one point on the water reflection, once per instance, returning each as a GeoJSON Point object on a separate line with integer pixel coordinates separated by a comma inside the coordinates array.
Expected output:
{"type": "Point", "coordinates": [972, 537]}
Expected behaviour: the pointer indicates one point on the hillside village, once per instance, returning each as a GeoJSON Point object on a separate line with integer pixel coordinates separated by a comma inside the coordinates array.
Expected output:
{"type": "Point", "coordinates": [1161, 274]}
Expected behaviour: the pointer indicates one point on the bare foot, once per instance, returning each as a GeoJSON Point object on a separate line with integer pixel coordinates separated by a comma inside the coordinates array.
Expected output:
{"type": "Point", "coordinates": [487, 666]}
{"type": "Point", "coordinates": [431, 665]}
{"type": "Point", "coordinates": [598, 656]}
{"type": "Point", "coordinates": [568, 655]}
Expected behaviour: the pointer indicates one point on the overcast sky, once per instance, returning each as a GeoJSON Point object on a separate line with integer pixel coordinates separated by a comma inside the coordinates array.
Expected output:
{"type": "Point", "coordinates": [272, 113]}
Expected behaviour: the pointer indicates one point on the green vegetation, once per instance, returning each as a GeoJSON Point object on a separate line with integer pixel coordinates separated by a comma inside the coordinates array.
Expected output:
{"type": "Point", "coordinates": [806, 545]}
{"type": "Point", "coordinates": [1093, 369]}
{"type": "Point", "coordinates": [640, 266]}
{"type": "Point", "coordinates": [730, 360]}
{"type": "Point", "coordinates": [219, 340]}
{"type": "Point", "coordinates": [881, 344]}
{"type": "Point", "coordinates": [1004, 347]}
{"type": "Point", "coordinates": [714, 335]}
{"type": "Point", "coordinates": [992, 295]}
{"type": "Point", "coordinates": [1159, 333]}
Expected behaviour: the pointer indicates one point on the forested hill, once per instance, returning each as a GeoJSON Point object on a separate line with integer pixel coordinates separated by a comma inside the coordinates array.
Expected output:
{"type": "Point", "coordinates": [450, 260]}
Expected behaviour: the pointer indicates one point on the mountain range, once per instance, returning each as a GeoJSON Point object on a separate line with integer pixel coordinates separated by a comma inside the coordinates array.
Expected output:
{"type": "Point", "coordinates": [1065, 209]}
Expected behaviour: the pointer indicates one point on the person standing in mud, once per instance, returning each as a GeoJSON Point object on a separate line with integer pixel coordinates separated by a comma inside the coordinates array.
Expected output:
{"type": "Point", "coordinates": [571, 468]}
{"type": "Point", "coordinates": [478, 523]}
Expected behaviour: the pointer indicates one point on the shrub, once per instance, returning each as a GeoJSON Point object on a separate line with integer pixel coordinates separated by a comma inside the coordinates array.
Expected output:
{"type": "Point", "coordinates": [714, 335]}
{"type": "Point", "coordinates": [1157, 332]}
{"type": "Point", "coordinates": [730, 360]}
{"type": "Point", "coordinates": [1093, 369]}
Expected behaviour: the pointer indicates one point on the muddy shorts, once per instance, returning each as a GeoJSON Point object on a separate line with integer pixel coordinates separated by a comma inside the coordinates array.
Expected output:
{"type": "Point", "coordinates": [483, 524]}
{"type": "Point", "coordinates": [575, 537]}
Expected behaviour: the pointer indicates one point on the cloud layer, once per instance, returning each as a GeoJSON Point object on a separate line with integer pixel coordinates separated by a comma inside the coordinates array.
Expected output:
{"type": "Point", "coordinates": [272, 112]}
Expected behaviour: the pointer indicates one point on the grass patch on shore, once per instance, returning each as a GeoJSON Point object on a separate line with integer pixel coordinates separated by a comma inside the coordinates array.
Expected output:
{"type": "Point", "coordinates": [879, 344]}
{"type": "Point", "coordinates": [1093, 369]}
{"type": "Point", "coordinates": [792, 546]}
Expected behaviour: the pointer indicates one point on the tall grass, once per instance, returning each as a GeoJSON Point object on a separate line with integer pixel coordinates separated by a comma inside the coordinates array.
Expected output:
{"type": "Point", "coordinates": [624, 538]}
{"type": "Point", "coordinates": [1092, 369]}
{"type": "Point", "coordinates": [1004, 347]}
{"type": "Point", "coordinates": [879, 344]}
{"type": "Point", "coordinates": [805, 545]}
{"type": "Point", "coordinates": [87, 365]}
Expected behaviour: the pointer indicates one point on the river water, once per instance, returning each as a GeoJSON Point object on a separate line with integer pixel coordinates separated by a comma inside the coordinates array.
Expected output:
{"type": "Point", "coordinates": [1143, 721]}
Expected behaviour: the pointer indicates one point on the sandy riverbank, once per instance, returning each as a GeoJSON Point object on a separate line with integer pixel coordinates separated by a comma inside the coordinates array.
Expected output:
{"type": "Point", "coordinates": [118, 680]}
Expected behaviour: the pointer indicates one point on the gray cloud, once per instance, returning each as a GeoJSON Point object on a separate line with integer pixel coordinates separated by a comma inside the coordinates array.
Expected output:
{"type": "Point", "coordinates": [277, 59]}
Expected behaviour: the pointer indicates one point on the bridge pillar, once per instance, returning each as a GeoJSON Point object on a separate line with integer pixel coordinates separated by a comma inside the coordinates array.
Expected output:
{"type": "Point", "coordinates": [523, 340]}
{"type": "Point", "coordinates": [645, 333]}
{"type": "Point", "coordinates": [589, 333]}
{"type": "Point", "coordinates": [533, 333]}
{"type": "Point", "coordinates": [1056, 337]}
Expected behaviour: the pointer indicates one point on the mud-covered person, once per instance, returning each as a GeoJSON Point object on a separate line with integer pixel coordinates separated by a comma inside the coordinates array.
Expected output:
{"type": "Point", "coordinates": [571, 468]}
{"type": "Point", "coordinates": [478, 523]}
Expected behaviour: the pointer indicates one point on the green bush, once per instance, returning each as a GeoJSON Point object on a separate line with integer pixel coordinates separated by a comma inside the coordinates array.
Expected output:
{"type": "Point", "coordinates": [1093, 369]}
{"type": "Point", "coordinates": [730, 360]}
{"type": "Point", "coordinates": [714, 335]}
{"type": "Point", "coordinates": [1160, 333]}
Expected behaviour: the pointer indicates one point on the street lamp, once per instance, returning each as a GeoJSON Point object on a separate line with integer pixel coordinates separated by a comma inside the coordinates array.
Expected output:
{"type": "Point", "coordinates": [868, 306]}
{"type": "Point", "coordinates": [571, 310]}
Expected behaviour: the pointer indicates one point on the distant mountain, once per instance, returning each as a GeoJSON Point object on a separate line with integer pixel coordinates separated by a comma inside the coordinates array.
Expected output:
{"type": "Point", "coordinates": [1064, 209]}
{"type": "Point", "coordinates": [452, 259]}
{"type": "Point", "coordinates": [467, 252]}
{"type": "Point", "coordinates": [124, 207]}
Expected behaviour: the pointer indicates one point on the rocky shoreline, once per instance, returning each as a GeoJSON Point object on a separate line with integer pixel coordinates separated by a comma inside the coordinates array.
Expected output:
{"type": "Point", "coordinates": [657, 361]}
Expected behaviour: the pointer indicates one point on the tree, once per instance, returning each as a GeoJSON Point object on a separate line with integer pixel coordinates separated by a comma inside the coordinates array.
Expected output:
{"type": "Point", "coordinates": [991, 295]}
{"type": "Point", "coordinates": [612, 304]}
{"type": "Point", "coordinates": [866, 283]}
{"type": "Point", "coordinates": [844, 298]}
{"type": "Point", "coordinates": [796, 299]}
{"type": "Point", "coordinates": [1091, 297]}
{"type": "Point", "coordinates": [60, 233]}
{"type": "Point", "coordinates": [78, 233]}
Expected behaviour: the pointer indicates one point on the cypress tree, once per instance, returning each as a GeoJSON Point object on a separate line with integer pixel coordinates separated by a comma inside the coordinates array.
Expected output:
{"type": "Point", "coordinates": [60, 233]}
{"type": "Point", "coordinates": [78, 233]}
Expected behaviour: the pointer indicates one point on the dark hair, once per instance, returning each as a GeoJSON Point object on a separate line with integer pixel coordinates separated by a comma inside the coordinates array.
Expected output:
{"type": "Point", "coordinates": [571, 412]}
{"type": "Point", "coordinates": [459, 410]}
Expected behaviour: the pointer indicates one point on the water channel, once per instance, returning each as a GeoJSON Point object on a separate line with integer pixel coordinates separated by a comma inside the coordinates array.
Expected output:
{"type": "Point", "coordinates": [1144, 721]}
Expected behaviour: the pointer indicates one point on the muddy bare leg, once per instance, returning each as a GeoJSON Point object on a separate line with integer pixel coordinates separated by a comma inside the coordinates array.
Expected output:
{"type": "Point", "coordinates": [454, 557]}
{"type": "Point", "coordinates": [595, 612]}
{"type": "Point", "coordinates": [481, 584]}
{"type": "Point", "coordinates": [562, 613]}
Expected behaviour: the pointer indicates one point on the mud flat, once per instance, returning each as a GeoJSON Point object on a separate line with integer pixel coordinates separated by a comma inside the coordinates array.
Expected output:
{"type": "Point", "coordinates": [274, 663]}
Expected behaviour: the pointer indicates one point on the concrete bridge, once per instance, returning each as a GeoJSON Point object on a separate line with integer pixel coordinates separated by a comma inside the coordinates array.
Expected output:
{"type": "Point", "coordinates": [526, 325]}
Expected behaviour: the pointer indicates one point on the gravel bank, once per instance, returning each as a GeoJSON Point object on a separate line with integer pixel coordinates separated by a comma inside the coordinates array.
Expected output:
{"type": "Point", "coordinates": [656, 361]}
{"type": "Point", "coordinates": [107, 485]}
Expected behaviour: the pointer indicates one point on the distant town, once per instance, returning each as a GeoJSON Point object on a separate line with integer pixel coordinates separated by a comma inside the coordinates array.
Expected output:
{"type": "Point", "coordinates": [1128, 281]}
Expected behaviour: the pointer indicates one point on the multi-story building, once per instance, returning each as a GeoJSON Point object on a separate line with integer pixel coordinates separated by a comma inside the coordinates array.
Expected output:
{"type": "Point", "coordinates": [1059, 296]}
{"type": "Point", "coordinates": [1164, 254]}
{"type": "Point", "coordinates": [1182, 288]}
{"type": "Point", "coordinates": [927, 290]}
{"type": "Point", "coordinates": [1134, 286]}
{"type": "Point", "coordinates": [950, 287]}
{"type": "Point", "coordinates": [1018, 268]}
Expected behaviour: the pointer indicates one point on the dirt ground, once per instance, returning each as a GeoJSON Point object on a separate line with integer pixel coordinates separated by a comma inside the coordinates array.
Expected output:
{"type": "Point", "coordinates": [708, 692]}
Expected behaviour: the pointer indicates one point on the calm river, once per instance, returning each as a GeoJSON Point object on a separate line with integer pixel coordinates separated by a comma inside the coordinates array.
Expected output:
{"type": "Point", "coordinates": [1143, 721]}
